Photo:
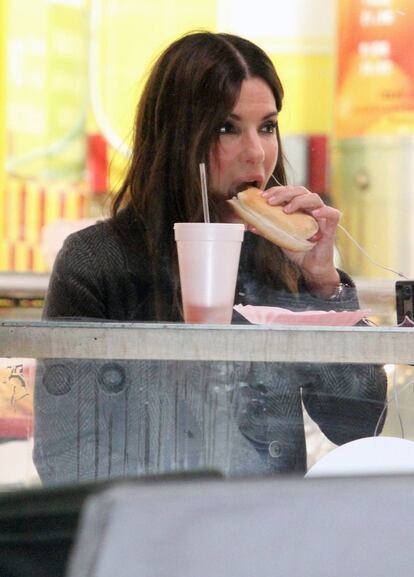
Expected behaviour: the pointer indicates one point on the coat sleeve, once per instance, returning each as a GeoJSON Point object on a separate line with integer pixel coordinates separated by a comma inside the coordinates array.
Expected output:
{"type": "Point", "coordinates": [347, 401]}
{"type": "Point", "coordinates": [75, 289]}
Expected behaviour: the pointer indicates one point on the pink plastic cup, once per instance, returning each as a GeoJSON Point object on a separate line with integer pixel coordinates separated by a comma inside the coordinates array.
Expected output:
{"type": "Point", "coordinates": [208, 258]}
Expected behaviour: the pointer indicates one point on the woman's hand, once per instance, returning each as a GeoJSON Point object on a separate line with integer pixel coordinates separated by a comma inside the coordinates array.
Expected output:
{"type": "Point", "coordinates": [317, 265]}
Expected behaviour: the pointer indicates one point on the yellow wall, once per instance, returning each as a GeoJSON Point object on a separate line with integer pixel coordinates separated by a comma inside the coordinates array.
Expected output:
{"type": "Point", "coordinates": [308, 81]}
{"type": "Point", "coordinates": [2, 110]}
{"type": "Point", "coordinates": [124, 46]}
{"type": "Point", "coordinates": [127, 37]}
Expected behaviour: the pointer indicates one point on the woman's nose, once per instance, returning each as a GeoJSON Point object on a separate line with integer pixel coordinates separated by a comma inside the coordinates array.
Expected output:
{"type": "Point", "coordinates": [252, 148]}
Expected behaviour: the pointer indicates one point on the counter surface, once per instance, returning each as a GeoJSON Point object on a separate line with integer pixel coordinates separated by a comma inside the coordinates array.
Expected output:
{"type": "Point", "coordinates": [206, 342]}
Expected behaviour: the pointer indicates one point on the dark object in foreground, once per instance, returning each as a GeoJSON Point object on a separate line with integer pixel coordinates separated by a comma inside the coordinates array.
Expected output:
{"type": "Point", "coordinates": [38, 526]}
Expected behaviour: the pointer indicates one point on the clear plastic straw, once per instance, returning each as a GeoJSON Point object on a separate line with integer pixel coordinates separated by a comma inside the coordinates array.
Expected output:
{"type": "Point", "coordinates": [204, 193]}
{"type": "Point", "coordinates": [363, 251]}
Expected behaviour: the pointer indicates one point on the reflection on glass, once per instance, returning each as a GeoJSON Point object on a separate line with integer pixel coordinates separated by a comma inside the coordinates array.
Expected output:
{"type": "Point", "coordinates": [107, 419]}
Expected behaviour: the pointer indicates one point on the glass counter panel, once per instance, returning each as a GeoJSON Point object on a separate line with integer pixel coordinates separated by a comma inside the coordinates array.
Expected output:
{"type": "Point", "coordinates": [245, 401]}
{"type": "Point", "coordinates": [87, 418]}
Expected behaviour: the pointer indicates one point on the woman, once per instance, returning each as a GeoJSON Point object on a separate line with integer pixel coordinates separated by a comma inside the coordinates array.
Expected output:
{"type": "Point", "coordinates": [215, 98]}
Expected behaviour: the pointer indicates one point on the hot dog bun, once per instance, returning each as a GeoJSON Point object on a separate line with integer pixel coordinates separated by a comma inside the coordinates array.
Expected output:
{"type": "Point", "coordinates": [290, 231]}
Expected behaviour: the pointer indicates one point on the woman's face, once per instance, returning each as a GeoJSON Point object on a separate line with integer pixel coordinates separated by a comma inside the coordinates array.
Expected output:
{"type": "Point", "coordinates": [247, 148]}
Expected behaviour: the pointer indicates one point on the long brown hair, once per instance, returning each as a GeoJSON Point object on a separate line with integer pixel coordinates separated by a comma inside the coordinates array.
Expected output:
{"type": "Point", "coordinates": [191, 90]}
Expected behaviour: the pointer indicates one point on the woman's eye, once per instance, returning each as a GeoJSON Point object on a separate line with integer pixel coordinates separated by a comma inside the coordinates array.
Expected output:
{"type": "Point", "coordinates": [227, 128]}
{"type": "Point", "coordinates": [269, 127]}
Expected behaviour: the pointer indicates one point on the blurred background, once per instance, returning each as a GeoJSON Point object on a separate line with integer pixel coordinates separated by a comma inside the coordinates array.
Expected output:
{"type": "Point", "coordinates": [71, 72]}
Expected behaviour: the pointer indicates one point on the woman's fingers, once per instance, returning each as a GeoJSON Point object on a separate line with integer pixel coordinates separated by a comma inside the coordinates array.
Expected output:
{"type": "Point", "coordinates": [327, 212]}
{"type": "Point", "coordinates": [294, 198]}
{"type": "Point", "coordinates": [283, 194]}
{"type": "Point", "coordinates": [317, 265]}
{"type": "Point", "coordinates": [306, 201]}
{"type": "Point", "coordinates": [328, 218]}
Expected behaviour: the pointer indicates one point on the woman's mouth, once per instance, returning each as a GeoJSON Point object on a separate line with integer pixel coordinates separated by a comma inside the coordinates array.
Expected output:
{"type": "Point", "coordinates": [236, 188]}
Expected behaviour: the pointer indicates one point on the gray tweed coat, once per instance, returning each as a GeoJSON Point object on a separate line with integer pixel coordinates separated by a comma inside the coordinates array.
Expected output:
{"type": "Point", "coordinates": [103, 419]}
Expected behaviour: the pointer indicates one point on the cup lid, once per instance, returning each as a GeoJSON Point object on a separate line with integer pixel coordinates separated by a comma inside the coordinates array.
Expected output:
{"type": "Point", "coordinates": [187, 231]}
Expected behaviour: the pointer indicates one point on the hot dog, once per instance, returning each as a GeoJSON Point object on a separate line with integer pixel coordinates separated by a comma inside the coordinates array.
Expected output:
{"type": "Point", "coordinates": [289, 231]}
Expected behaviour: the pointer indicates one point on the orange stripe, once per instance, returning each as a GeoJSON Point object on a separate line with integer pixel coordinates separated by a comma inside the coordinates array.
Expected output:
{"type": "Point", "coordinates": [62, 203]}
{"type": "Point", "coordinates": [12, 257]}
{"type": "Point", "coordinates": [22, 208]}
{"type": "Point", "coordinates": [42, 209]}
{"type": "Point", "coordinates": [6, 210]}
{"type": "Point", "coordinates": [30, 259]}
{"type": "Point", "coordinates": [81, 204]}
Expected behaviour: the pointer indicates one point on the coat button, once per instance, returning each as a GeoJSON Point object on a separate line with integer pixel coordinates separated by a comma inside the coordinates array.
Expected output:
{"type": "Point", "coordinates": [275, 449]}
{"type": "Point", "coordinates": [112, 378]}
{"type": "Point", "coordinates": [58, 379]}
